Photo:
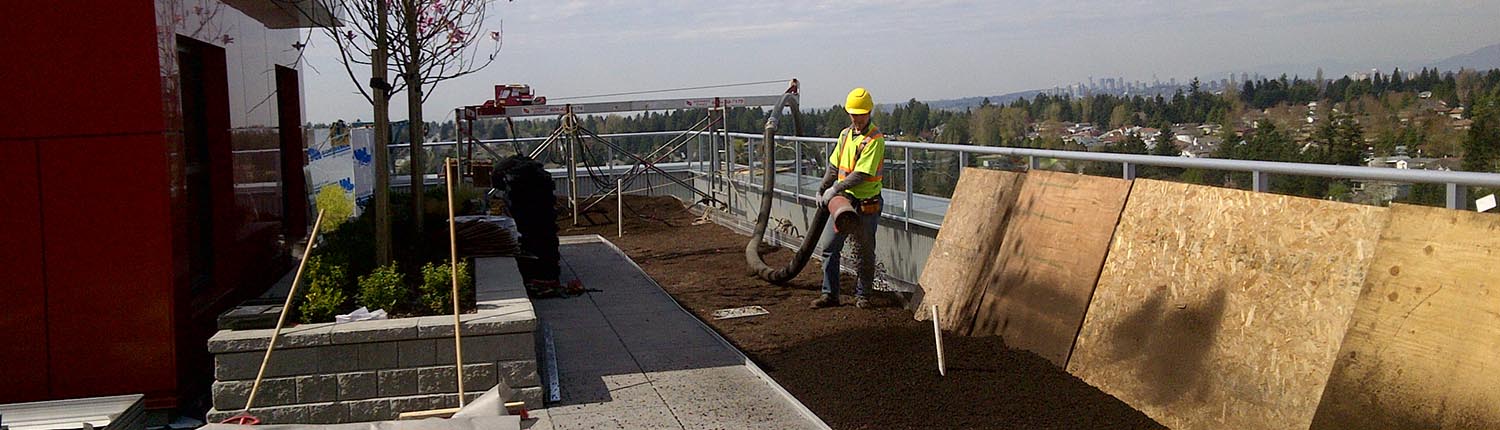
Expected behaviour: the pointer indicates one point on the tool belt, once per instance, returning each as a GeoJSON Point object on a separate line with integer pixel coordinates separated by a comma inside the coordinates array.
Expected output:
{"type": "Point", "coordinates": [870, 206]}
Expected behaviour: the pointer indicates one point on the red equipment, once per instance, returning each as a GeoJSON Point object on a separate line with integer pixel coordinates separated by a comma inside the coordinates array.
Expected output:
{"type": "Point", "coordinates": [514, 95]}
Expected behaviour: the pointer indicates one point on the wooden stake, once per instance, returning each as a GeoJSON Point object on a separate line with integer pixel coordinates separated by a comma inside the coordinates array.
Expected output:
{"type": "Point", "coordinates": [458, 345]}
{"type": "Point", "coordinates": [620, 208]}
{"type": "Point", "coordinates": [937, 335]}
{"type": "Point", "coordinates": [432, 413]}
{"type": "Point", "coordinates": [296, 279]}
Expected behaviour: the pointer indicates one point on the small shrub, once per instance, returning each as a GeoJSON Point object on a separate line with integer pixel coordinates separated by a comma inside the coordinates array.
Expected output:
{"type": "Point", "coordinates": [382, 289]}
{"type": "Point", "coordinates": [337, 207]}
{"type": "Point", "coordinates": [352, 246]}
{"type": "Point", "coordinates": [437, 286]}
{"type": "Point", "coordinates": [325, 291]}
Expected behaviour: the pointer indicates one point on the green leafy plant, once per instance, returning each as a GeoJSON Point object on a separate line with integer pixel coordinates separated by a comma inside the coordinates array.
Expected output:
{"type": "Point", "coordinates": [325, 291]}
{"type": "Point", "coordinates": [437, 286]}
{"type": "Point", "coordinates": [382, 289]}
{"type": "Point", "coordinates": [337, 207]}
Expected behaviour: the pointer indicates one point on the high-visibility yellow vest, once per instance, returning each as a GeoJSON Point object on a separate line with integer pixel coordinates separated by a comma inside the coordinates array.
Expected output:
{"type": "Point", "coordinates": [871, 149]}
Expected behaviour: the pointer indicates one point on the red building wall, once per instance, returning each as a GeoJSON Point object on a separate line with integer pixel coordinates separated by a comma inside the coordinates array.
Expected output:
{"type": "Point", "coordinates": [92, 178]}
{"type": "Point", "coordinates": [84, 145]}
{"type": "Point", "coordinates": [25, 350]}
{"type": "Point", "coordinates": [108, 267]}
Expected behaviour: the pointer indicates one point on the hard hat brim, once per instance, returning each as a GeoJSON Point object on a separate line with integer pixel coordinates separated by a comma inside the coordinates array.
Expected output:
{"type": "Point", "coordinates": [856, 111]}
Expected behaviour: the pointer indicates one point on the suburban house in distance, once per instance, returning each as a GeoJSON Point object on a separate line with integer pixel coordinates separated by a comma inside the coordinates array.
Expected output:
{"type": "Point", "coordinates": [152, 163]}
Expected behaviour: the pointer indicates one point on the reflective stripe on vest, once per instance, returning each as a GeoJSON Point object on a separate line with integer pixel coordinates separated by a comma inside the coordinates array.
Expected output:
{"type": "Point", "coordinates": [846, 169]}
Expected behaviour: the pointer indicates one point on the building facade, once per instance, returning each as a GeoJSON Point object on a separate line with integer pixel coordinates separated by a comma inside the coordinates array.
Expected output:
{"type": "Point", "coordinates": [152, 169]}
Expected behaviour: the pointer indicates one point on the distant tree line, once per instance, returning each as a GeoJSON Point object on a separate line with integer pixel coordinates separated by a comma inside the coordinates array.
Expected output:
{"type": "Point", "coordinates": [1259, 120]}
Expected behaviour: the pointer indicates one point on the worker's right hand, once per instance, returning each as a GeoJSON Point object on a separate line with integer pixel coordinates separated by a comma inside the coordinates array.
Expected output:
{"type": "Point", "coordinates": [825, 196]}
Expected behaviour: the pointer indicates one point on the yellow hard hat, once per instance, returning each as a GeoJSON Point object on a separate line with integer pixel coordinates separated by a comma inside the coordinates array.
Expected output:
{"type": "Point", "coordinates": [859, 102]}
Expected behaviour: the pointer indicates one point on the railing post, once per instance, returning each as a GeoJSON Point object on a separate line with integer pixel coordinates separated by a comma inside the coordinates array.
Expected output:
{"type": "Point", "coordinates": [1129, 170]}
{"type": "Point", "coordinates": [826, 151]}
{"type": "Point", "coordinates": [713, 163]}
{"type": "Point", "coordinates": [906, 153]}
{"type": "Point", "coordinates": [798, 153]}
{"type": "Point", "coordinates": [963, 160]}
{"type": "Point", "coordinates": [1457, 197]}
{"type": "Point", "coordinates": [750, 161]}
{"type": "Point", "coordinates": [1258, 181]}
{"type": "Point", "coordinates": [1032, 163]}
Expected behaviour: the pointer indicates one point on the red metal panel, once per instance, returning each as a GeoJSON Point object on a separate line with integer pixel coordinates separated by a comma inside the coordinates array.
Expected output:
{"type": "Point", "coordinates": [79, 68]}
{"type": "Point", "coordinates": [110, 306]}
{"type": "Point", "coordinates": [24, 371]}
{"type": "Point", "coordinates": [293, 154]}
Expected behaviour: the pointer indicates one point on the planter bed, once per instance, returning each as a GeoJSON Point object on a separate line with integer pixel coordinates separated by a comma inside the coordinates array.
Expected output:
{"type": "Point", "coordinates": [374, 370]}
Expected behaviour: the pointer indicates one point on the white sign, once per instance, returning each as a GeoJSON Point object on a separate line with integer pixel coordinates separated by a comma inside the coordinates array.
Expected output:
{"type": "Point", "coordinates": [361, 141]}
{"type": "Point", "coordinates": [330, 163]}
{"type": "Point", "coordinates": [1485, 203]}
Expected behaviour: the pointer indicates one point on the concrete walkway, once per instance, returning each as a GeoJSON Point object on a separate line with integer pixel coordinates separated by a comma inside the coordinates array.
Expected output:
{"type": "Point", "coordinates": [629, 357]}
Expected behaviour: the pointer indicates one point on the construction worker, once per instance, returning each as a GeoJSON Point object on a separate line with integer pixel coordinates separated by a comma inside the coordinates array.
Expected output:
{"type": "Point", "coordinates": [854, 172]}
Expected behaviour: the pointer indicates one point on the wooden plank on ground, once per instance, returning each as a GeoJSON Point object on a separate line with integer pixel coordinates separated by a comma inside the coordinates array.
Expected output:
{"type": "Point", "coordinates": [982, 203]}
{"type": "Point", "coordinates": [1048, 263]}
{"type": "Point", "coordinates": [1220, 308]}
{"type": "Point", "coordinates": [1420, 350]}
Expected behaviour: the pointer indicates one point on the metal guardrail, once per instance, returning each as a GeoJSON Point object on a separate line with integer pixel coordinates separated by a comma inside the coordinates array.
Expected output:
{"type": "Point", "coordinates": [721, 156]}
{"type": "Point", "coordinates": [1454, 181]}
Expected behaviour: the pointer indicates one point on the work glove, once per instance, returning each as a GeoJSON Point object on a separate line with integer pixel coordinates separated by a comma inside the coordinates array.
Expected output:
{"type": "Point", "coordinates": [827, 195]}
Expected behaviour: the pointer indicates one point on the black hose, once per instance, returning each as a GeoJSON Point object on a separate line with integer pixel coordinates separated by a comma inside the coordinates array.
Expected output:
{"type": "Point", "coordinates": [753, 258]}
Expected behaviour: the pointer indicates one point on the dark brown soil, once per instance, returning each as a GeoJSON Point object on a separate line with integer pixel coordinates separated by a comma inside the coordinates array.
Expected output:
{"type": "Point", "coordinates": [855, 368]}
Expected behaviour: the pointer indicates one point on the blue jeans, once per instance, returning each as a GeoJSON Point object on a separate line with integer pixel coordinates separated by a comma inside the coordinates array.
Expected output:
{"type": "Point", "coordinates": [864, 250]}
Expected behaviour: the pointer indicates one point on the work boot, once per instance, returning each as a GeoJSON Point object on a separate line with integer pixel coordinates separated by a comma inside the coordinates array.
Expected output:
{"type": "Point", "coordinates": [863, 302]}
{"type": "Point", "coordinates": [825, 301]}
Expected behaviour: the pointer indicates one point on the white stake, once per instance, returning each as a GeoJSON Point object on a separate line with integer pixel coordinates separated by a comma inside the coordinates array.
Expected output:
{"type": "Point", "coordinates": [620, 208]}
{"type": "Point", "coordinates": [937, 335]}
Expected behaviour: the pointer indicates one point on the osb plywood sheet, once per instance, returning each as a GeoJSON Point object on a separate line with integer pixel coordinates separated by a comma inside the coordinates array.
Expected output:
{"type": "Point", "coordinates": [982, 203]}
{"type": "Point", "coordinates": [1049, 261]}
{"type": "Point", "coordinates": [1220, 308]}
{"type": "Point", "coordinates": [1423, 350]}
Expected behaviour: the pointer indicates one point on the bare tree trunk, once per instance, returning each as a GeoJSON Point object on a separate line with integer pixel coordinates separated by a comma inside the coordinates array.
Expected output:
{"type": "Point", "coordinates": [381, 101]}
{"type": "Point", "coordinates": [414, 116]}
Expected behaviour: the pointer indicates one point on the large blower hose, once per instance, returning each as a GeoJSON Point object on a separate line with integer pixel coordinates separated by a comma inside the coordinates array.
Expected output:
{"type": "Point", "coordinates": [753, 258]}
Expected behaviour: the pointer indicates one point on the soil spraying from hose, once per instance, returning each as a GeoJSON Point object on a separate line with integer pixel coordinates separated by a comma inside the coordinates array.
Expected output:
{"type": "Point", "coordinates": [855, 368]}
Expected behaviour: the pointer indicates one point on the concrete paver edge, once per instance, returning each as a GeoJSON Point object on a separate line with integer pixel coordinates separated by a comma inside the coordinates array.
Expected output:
{"type": "Point", "coordinates": [754, 369]}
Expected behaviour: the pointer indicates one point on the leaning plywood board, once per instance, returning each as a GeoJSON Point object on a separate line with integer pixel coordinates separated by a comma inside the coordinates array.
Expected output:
{"type": "Point", "coordinates": [1220, 308]}
{"type": "Point", "coordinates": [971, 231]}
{"type": "Point", "coordinates": [1420, 350]}
{"type": "Point", "coordinates": [1049, 262]}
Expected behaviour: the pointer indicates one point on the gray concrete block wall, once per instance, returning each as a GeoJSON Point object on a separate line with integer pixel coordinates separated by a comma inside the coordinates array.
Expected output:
{"type": "Point", "coordinates": [373, 370]}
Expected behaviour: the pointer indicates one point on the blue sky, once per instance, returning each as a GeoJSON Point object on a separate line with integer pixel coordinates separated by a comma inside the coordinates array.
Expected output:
{"type": "Point", "coordinates": [926, 50]}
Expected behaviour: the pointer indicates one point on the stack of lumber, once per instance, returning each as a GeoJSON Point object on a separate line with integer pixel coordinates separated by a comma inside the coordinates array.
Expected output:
{"type": "Point", "coordinates": [112, 413]}
{"type": "Point", "coordinates": [487, 236]}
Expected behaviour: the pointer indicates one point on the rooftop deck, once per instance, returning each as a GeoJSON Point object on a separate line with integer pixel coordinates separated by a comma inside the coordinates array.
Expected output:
{"type": "Point", "coordinates": [628, 356]}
